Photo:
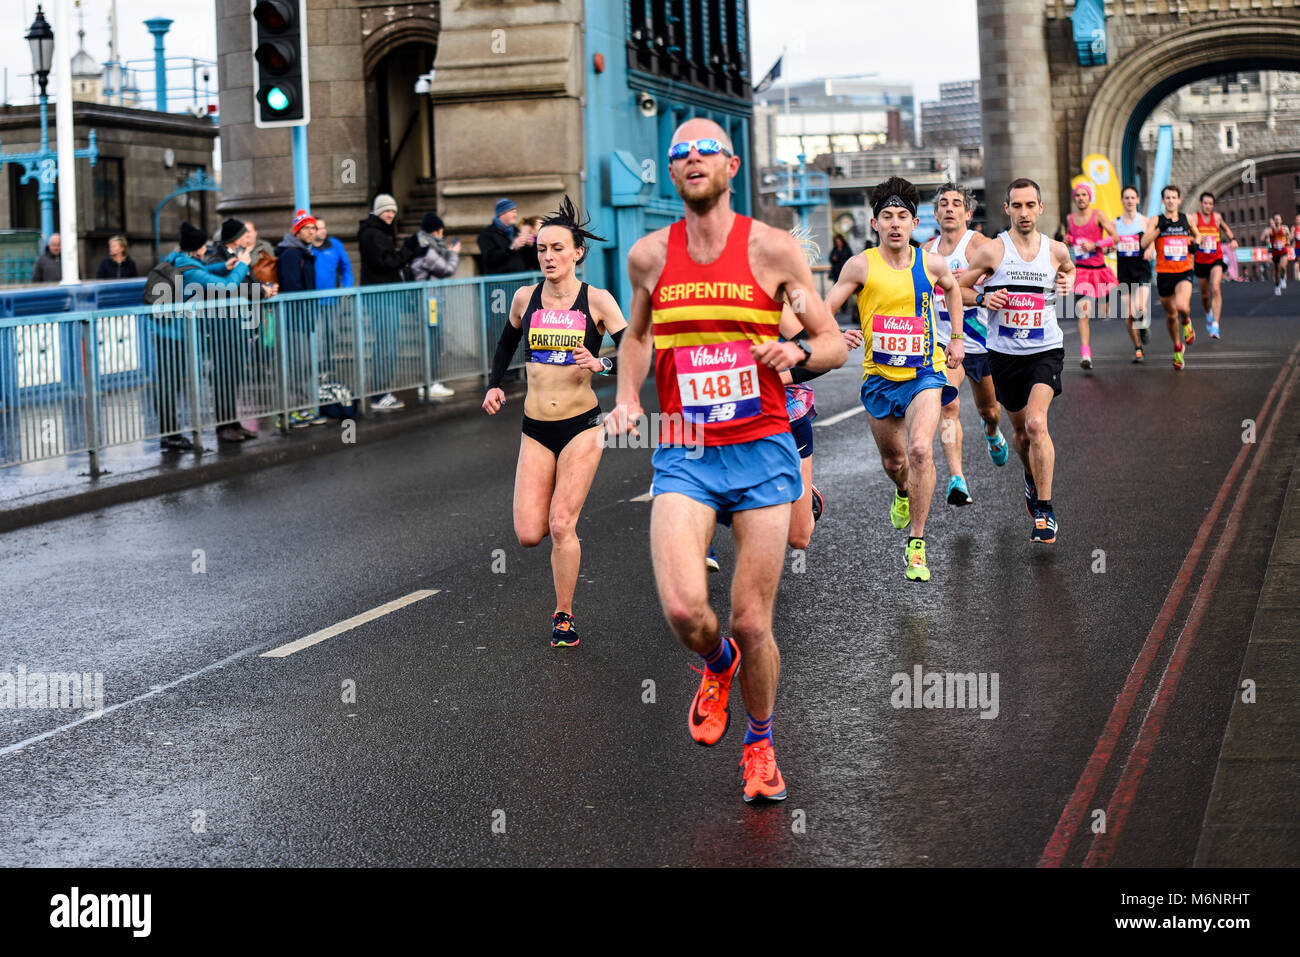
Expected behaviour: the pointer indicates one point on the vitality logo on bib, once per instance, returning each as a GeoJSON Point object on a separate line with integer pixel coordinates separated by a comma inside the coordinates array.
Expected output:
{"type": "Point", "coordinates": [553, 334]}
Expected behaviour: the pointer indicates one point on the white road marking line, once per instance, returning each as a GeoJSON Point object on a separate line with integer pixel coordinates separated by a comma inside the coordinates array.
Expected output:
{"type": "Point", "coordinates": [837, 417]}
{"type": "Point", "coordinates": [154, 690]}
{"type": "Point", "coordinates": [316, 637]}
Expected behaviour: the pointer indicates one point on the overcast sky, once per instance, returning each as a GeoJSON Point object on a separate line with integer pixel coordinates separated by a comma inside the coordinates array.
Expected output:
{"type": "Point", "coordinates": [838, 37]}
{"type": "Point", "coordinates": [825, 37]}
{"type": "Point", "coordinates": [192, 34]}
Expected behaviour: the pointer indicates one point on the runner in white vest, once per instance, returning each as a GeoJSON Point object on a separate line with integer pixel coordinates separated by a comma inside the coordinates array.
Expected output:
{"type": "Point", "coordinates": [953, 209]}
{"type": "Point", "coordinates": [1023, 272]}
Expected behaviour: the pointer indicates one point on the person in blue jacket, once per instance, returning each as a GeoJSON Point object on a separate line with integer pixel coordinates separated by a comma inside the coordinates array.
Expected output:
{"type": "Point", "coordinates": [197, 281]}
{"type": "Point", "coordinates": [333, 268]}
{"type": "Point", "coordinates": [333, 271]}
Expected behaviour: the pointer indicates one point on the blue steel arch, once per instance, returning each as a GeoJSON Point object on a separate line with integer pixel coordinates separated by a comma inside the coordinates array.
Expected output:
{"type": "Point", "coordinates": [197, 181]}
{"type": "Point", "coordinates": [1202, 71]}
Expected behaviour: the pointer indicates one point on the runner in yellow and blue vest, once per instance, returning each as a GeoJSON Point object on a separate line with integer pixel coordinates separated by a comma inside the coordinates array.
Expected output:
{"type": "Point", "coordinates": [903, 364]}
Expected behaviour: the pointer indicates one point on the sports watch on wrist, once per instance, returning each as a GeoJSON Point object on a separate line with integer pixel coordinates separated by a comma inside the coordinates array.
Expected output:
{"type": "Point", "coordinates": [979, 299]}
{"type": "Point", "coordinates": [807, 352]}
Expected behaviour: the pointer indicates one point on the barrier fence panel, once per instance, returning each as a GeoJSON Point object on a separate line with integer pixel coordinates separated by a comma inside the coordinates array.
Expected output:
{"type": "Point", "coordinates": [80, 381]}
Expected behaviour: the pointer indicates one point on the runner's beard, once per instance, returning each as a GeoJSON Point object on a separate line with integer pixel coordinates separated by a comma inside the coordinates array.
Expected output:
{"type": "Point", "coordinates": [700, 203]}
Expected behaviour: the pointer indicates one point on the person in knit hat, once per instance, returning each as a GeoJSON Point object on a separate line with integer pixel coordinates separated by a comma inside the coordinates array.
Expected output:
{"type": "Point", "coordinates": [383, 261]}
{"type": "Point", "coordinates": [197, 278]}
{"type": "Point", "coordinates": [222, 247]}
{"type": "Point", "coordinates": [297, 259]}
{"type": "Point", "coordinates": [434, 259]}
{"type": "Point", "coordinates": [297, 268]}
{"type": "Point", "coordinates": [503, 248]}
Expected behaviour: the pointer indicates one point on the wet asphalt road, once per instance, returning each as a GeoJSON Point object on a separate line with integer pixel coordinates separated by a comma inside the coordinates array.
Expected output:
{"type": "Point", "coordinates": [464, 716]}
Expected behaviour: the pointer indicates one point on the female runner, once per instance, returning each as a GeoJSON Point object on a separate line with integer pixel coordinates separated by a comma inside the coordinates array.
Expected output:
{"type": "Point", "coordinates": [563, 321]}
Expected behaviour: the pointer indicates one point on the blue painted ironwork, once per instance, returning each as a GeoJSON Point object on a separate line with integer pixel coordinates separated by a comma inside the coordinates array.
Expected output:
{"type": "Point", "coordinates": [301, 170]}
{"type": "Point", "coordinates": [804, 190]}
{"type": "Point", "coordinates": [1089, 19]}
{"type": "Point", "coordinates": [43, 166]}
{"type": "Point", "coordinates": [197, 181]}
{"type": "Point", "coordinates": [159, 26]}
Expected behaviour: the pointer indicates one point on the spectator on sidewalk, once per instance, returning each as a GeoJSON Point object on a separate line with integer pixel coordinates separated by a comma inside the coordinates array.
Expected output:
{"type": "Point", "coordinates": [503, 247]}
{"type": "Point", "coordinates": [117, 264]}
{"type": "Point", "coordinates": [234, 359]}
{"type": "Point", "coordinates": [256, 246]}
{"type": "Point", "coordinates": [333, 271]}
{"type": "Point", "coordinates": [382, 261]}
{"type": "Point", "coordinates": [840, 254]}
{"type": "Point", "coordinates": [49, 267]}
{"type": "Point", "coordinates": [169, 335]}
{"type": "Point", "coordinates": [297, 266]}
{"type": "Point", "coordinates": [221, 255]}
{"type": "Point", "coordinates": [333, 268]}
{"type": "Point", "coordinates": [296, 256]}
{"type": "Point", "coordinates": [434, 259]}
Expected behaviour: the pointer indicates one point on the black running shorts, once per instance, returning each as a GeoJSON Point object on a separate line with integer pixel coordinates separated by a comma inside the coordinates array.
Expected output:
{"type": "Point", "coordinates": [1166, 282]}
{"type": "Point", "coordinates": [1132, 271]}
{"type": "Point", "coordinates": [1203, 269]}
{"type": "Point", "coordinates": [1015, 375]}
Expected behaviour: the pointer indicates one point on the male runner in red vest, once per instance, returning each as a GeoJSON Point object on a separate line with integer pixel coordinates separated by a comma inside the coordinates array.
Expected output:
{"type": "Point", "coordinates": [706, 300]}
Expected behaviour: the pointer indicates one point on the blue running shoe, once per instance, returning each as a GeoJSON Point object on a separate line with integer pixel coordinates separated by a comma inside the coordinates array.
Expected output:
{"type": "Point", "coordinates": [958, 493]}
{"type": "Point", "coordinates": [998, 449]}
{"type": "Point", "coordinates": [563, 634]}
{"type": "Point", "coordinates": [711, 561]}
{"type": "Point", "coordinates": [1044, 530]}
{"type": "Point", "coordinates": [1031, 496]}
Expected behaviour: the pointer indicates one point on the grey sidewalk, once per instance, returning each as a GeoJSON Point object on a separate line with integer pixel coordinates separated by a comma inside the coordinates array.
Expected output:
{"type": "Point", "coordinates": [1253, 815]}
{"type": "Point", "coordinates": [43, 491]}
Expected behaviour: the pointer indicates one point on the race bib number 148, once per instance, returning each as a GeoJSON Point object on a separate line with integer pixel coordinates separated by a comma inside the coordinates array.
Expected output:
{"type": "Point", "coordinates": [718, 383]}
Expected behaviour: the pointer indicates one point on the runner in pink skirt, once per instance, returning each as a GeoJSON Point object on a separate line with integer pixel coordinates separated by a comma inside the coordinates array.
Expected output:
{"type": "Point", "coordinates": [1088, 241]}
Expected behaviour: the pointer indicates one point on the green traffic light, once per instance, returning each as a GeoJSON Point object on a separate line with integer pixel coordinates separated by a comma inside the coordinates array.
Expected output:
{"type": "Point", "coordinates": [277, 99]}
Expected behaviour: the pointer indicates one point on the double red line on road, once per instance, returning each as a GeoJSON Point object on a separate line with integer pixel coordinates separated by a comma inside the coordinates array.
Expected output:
{"type": "Point", "coordinates": [1103, 844]}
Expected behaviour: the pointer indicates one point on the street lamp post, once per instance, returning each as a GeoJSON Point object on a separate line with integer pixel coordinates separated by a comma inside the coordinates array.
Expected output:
{"type": "Point", "coordinates": [43, 165]}
{"type": "Point", "coordinates": [41, 40]}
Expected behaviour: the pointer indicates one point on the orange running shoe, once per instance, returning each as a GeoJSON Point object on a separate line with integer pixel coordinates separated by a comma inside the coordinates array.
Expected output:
{"type": "Point", "coordinates": [709, 717]}
{"type": "Point", "coordinates": [762, 776]}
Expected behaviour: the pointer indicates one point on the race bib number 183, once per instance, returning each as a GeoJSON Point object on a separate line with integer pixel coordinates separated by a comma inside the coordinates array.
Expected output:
{"type": "Point", "coordinates": [899, 341]}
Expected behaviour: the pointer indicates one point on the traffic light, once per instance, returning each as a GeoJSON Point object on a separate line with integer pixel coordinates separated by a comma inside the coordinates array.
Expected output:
{"type": "Point", "coordinates": [280, 93]}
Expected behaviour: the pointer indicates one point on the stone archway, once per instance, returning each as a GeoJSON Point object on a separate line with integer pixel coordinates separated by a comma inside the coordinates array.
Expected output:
{"type": "Point", "coordinates": [1230, 175]}
{"type": "Point", "coordinates": [1138, 82]}
{"type": "Point", "coordinates": [384, 29]}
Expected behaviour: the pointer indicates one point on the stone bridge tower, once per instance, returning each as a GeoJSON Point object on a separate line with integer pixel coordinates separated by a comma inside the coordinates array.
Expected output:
{"type": "Point", "coordinates": [1043, 110]}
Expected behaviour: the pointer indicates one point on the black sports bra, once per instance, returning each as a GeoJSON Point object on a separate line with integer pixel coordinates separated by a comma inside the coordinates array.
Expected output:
{"type": "Point", "coordinates": [551, 335]}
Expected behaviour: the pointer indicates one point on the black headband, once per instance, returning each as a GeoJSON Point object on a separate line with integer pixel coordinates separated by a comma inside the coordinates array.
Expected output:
{"type": "Point", "coordinates": [893, 200]}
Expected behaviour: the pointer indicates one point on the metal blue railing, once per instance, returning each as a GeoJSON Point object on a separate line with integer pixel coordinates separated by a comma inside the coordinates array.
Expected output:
{"type": "Point", "coordinates": [78, 382]}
